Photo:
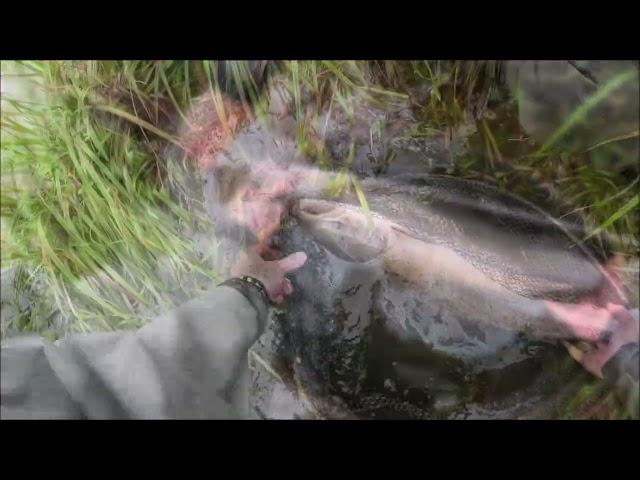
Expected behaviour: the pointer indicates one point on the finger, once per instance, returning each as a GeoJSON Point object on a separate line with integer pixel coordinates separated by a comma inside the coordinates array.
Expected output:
{"type": "Point", "coordinates": [292, 262]}
{"type": "Point", "coordinates": [591, 362]}
{"type": "Point", "coordinates": [287, 288]}
{"type": "Point", "coordinates": [621, 313]}
{"type": "Point", "coordinates": [628, 324]}
{"type": "Point", "coordinates": [574, 351]}
{"type": "Point", "coordinates": [583, 321]}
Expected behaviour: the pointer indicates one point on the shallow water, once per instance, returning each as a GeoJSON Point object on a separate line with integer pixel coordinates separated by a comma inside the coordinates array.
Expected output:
{"type": "Point", "coordinates": [356, 344]}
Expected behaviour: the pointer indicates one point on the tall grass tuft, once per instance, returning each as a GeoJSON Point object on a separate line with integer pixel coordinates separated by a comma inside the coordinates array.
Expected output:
{"type": "Point", "coordinates": [82, 200]}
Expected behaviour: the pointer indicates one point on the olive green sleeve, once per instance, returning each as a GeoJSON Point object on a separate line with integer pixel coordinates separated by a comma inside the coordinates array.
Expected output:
{"type": "Point", "coordinates": [621, 372]}
{"type": "Point", "coordinates": [189, 363]}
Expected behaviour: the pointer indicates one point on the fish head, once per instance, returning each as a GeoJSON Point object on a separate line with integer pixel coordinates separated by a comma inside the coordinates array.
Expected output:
{"type": "Point", "coordinates": [346, 231]}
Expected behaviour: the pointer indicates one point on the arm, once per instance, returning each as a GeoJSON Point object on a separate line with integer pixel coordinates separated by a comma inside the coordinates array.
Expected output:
{"type": "Point", "coordinates": [179, 366]}
{"type": "Point", "coordinates": [189, 363]}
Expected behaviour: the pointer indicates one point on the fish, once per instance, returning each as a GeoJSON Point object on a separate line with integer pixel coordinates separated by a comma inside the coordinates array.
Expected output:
{"type": "Point", "coordinates": [364, 335]}
{"type": "Point", "coordinates": [482, 254]}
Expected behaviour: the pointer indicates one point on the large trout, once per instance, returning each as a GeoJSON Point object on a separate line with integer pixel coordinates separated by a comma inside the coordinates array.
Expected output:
{"type": "Point", "coordinates": [483, 255]}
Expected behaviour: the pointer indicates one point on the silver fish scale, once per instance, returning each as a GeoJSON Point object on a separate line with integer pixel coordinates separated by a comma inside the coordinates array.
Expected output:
{"type": "Point", "coordinates": [344, 341]}
{"type": "Point", "coordinates": [368, 404]}
{"type": "Point", "coordinates": [511, 242]}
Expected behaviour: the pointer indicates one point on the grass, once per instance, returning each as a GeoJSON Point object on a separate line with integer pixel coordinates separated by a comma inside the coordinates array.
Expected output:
{"type": "Point", "coordinates": [604, 197]}
{"type": "Point", "coordinates": [84, 205]}
{"type": "Point", "coordinates": [446, 93]}
{"type": "Point", "coordinates": [100, 242]}
{"type": "Point", "coordinates": [580, 113]}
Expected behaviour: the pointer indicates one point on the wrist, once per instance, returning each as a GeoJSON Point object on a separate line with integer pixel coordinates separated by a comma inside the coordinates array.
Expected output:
{"type": "Point", "coordinates": [258, 285]}
{"type": "Point", "coordinates": [253, 290]}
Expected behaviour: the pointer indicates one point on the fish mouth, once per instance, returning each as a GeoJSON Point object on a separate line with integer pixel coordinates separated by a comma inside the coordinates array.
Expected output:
{"type": "Point", "coordinates": [337, 229]}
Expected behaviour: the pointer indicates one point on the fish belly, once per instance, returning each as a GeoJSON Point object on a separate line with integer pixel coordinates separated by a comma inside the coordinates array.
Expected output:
{"type": "Point", "coordinates": [468, 293]}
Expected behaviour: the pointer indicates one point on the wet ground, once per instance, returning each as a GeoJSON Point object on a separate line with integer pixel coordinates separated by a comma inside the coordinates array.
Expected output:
{"type": "Point", "coordinates": [352, 342]}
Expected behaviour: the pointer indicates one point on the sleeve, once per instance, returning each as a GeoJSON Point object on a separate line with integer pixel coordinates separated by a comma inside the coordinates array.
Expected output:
{"type": "Point", "coordinates": [621, 372]}
{"type": "Point", "coordinates": [185, 364]}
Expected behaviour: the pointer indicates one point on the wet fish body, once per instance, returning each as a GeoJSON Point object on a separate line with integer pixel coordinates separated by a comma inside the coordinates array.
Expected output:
{"type": "Point", "coordinates": [372, 345]}
{"type": "Point", "coordinates": [485, 255]}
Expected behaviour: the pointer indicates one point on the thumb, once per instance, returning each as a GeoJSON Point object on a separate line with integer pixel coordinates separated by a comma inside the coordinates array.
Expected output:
{"type": "Point", "coordinates": [292, 262]}
{"type": "Point", "coordinates": [574, 351]}
{"type": "Point", "coordinates": [591, 362]}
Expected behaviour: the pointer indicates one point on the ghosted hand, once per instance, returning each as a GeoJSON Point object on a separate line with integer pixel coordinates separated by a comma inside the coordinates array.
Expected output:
{"type": "Point", "coordinates": [626, 332]}
{"type": "Point", "coordinates": [259, 203]}
{"type": "Point", "coordinates": [272, 274]}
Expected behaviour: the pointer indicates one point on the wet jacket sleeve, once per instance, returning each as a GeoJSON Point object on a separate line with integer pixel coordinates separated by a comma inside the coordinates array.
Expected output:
{"type": "Point", "coordinates": [189, 363]}
{"type": "Point", "coordinates": [621, 372]}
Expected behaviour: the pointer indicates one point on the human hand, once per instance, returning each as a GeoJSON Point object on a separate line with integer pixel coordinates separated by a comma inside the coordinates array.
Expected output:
{"type": "Point", "coordinates": [260, 202]}
{"type": "Point", "coordinates": [627, 331]}
{"type": "Point", "coordinates": [272, 274]}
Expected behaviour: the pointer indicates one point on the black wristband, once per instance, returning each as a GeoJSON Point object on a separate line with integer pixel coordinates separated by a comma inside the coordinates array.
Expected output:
{"type": "Point", "coordinates": [250, 287]}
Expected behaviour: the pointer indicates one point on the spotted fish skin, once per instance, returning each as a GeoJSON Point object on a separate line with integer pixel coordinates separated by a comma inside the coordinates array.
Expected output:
{"type": "Point", "coordinates": [511, 241]}
{"type": "Point", "coordinates": [476, 253]}
{"type": "Point", "coordinates": [356, 345]}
